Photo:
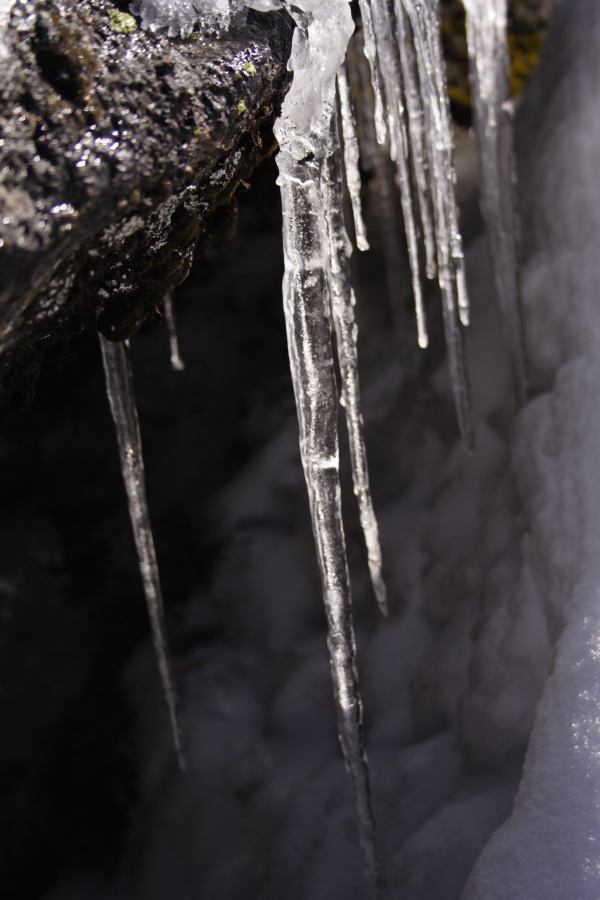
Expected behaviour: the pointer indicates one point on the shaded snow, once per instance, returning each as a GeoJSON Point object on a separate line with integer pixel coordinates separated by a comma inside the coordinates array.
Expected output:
{"type": "Point", "coordinates": [548, 850]}
{"type": "Point", "coordinates": [5, 8]}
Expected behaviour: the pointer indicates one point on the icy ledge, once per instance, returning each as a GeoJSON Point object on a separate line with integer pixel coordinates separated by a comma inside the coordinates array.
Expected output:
{"type": "Point", "coordinates": [548, 848]}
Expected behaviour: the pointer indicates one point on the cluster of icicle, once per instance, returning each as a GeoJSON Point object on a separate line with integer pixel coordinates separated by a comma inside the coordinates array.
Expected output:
{"type": "Point", "coordinates": [317, 168]}
{"type": "Point", "coordinates": [488, 52]}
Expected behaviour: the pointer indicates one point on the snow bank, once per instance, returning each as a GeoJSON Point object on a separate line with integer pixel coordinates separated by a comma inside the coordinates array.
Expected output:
{"type": "Point", "coordinates": [548, 849]}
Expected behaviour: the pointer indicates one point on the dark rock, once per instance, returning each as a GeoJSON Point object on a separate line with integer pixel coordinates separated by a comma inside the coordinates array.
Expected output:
{"type": "Point", "coordinates": [117, 146]}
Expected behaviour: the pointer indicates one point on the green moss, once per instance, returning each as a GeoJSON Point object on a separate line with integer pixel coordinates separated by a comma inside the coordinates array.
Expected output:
{"type": "Point", "coordinates": [122, 22]}
{"type": "Point", "coordinates": [242, 108]}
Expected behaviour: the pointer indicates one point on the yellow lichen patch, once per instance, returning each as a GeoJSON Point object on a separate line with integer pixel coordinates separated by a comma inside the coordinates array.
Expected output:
{"type": "Point", "coordinates": [528, 21]}
{"type": "Point", "coordinates": [242, 108]}
{"type": "Point", "coordinates": [525, 52]}
{"type": "Point", "coordinates": [249, 68]}
{"type": "Point", "coordinates": [122, 22]}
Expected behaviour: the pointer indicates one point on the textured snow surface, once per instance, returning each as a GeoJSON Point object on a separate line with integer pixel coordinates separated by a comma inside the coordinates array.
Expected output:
{"type": "Point", "coordinates": [548, 849]}
{"type": "Point", "coordinates": [5, 8]}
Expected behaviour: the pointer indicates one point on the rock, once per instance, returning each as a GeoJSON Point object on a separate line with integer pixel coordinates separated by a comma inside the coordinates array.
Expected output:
{"type": "Point", "coordinates": [117, 147]}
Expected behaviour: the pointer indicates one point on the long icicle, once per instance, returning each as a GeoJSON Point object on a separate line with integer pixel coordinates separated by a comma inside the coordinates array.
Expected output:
{"type": "Point", "coordinates": [385, 219]}
{"type": "Point", "coordinates": [488, 69]}
{"type": "Point", "coordinates": [311, 360]}
{"type": "Point", "coordinates": [120, 391]}
{"type": "Point", "coordinates": [370, 51]}
{"type": "Point", "coordinates": [438, 64]}
{"type": "Point", "coordinates": [343, 303]}
{"type": "Point", "coordinates": [351, 156]}
{"type": "Point", "coordinates": [416, 131]}
{"type": "Point", "coordinates": [323, 30]}
{"type": "Point", "coordinates": [389, 61]}
{"type": "Point", "coordinates": [177, 363]}
{"type": "Point", "coordinates": [424, 20]}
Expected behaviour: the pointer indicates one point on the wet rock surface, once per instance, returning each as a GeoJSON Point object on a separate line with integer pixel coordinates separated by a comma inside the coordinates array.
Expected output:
{"type": "Point", "coordinates": [117, 147]}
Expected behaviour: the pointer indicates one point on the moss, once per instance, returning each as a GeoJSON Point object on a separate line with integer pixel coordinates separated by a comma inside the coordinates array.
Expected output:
{"type": "Point", "coordinates": [249, 68]}
{"type": "Point", "coordinates": [242, 108]}
{"type": "Point", "coordinates": [122, 22]}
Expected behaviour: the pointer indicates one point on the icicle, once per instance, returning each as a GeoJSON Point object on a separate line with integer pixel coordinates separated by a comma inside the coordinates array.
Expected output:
{"type": "Point", "coordinates": [177, 363]}
{"type": "Point", "coordinates": [389, 61]}
{"type": "Point", "coordinates": [320, 41]}
{"type": "Point", "coordinates": [416, 126]}
{"type": "Point", "coordinates": [370, 50]}
{"type": "Point", "coordinates": [425, 23]}
{"type": "Point", "coordinates": [343, 302]}
{"type": "Point", "coordinates": [311, 359]}
{"type": "Point", "coordinates": [351, 156]}
{"type": "Point", "coordinates": [119, 388]}
{"type": "Point", "coordinates": [488, 59]}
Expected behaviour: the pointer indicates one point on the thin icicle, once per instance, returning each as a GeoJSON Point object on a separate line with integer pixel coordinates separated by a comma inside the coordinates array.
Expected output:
{"type": "Point", "coordinates": [416, 128]}
{"type": "Point", "coordinates": [119, 388]}
{"type": "Point", "coordinates": [488, 60]}
{"type": "Point", "coordinates": [351, 156]}
{"type": "Point", "coordinates": [425, 23]}
{"type": "Point", "coordinates": [389, 61]}
{"type": "Point", "coordinates": [311, 359]}
{"type": "Point", "coordinates": [438, 64]}
{"type": "Point", "coordinates": [177, 363]}
{"type": "Point", "coordinates": [322, 34]}
{"type": "Point", "coordinates": [343, 303]}
{"type": "Point", "coordinates": [370, 50]}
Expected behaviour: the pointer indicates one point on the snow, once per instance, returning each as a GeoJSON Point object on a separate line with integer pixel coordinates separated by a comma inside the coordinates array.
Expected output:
{"type": "Point", "coordinates": [548, 847]}
{"type": "Point", "coordinates": [5, 8]}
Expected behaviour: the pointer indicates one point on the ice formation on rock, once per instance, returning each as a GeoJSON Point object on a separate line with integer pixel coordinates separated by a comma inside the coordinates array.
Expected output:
{"type": "Point", "coordinates": [412, 121]}
{"type": "Point", "coordinates": [179, 17]}
{"type": "Point", "coordinates": [119, 389]}
{"type": "Point", "coordinates": [486, 32]}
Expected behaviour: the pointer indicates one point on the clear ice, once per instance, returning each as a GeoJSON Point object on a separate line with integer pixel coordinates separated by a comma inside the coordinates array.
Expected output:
{"type": "Point", "coordinates": [343, 303]}
{"type": "Point", "coordinates": [120, 392]}
{"type": "Point", "coordinates": [319, 47]}
{"type": "Point", "coordinates": [177, 363]}
{"type": "Point", "coordinates": [488, 67]}
{"type": "Point", "coordinates": [388, 56]}
{"type": "Point", "coordinates": [425, 23]}
{"type": "Point", "coordinates": [351, 156]}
